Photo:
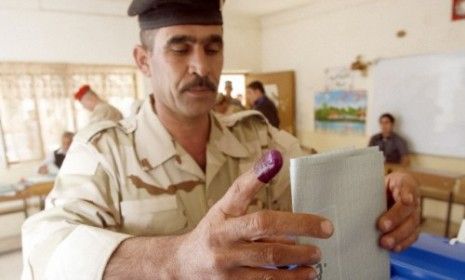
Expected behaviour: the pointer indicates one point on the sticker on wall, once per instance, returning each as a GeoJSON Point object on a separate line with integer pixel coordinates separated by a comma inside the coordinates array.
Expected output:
{"type": "Point", "coordinates": [458, 10]}
{"type": "Point", "coordinates": [341, 111]}
{"type": "Point", "coordinates": [339, 78]}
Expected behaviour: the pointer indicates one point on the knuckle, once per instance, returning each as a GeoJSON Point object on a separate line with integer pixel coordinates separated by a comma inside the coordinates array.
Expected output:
{"type": "Point", "coordinates": [314, 253]}
{"type": "Point", "coordinates": [268, 276]}
{"type": "Point", "coordinates": [261, 222]}
{"type": "Point", "coordinates": [219, 261]}
{"type": "Point", "coordinates": [271, 255]}
{"type": "Point", "coordinates": [212, 240]}
{"type": "Point", "coordinates": [215, 261]}
{"type": "Point", "coordinates": [237, 187]}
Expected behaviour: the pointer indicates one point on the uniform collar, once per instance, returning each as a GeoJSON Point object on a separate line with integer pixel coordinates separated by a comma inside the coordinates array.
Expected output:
{"type": "Point", "coordinates": [155, 145]}
{"type": "Point", "coordinates": [224, 140]}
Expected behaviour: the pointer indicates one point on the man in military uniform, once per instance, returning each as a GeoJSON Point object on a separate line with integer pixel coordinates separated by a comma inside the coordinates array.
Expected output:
{"type": "Point", "coordinates": [225, 103]}
{"type": "Point", "coordinates": [100, 110]}
{"type": "Point", "coordinates": [175, 192]}
{"type": "Point", "coordinates": [235, 104]}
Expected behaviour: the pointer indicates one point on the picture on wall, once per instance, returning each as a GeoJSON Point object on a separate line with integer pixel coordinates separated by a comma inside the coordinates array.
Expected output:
{"type": "Point", "coordinates": [341, 111]}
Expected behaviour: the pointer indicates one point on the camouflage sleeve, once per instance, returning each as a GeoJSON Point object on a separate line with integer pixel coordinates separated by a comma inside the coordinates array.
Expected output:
{"type": "Point", "coordinates": [74, 237]}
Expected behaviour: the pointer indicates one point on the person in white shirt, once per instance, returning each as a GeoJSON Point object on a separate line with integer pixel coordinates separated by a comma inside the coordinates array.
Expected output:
{"type": "Point", "coordinates": [54, 160]}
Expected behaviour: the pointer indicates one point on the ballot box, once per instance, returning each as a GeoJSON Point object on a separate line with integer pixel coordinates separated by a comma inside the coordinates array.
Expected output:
{"type": "Point", "coordinates": [430, 258]}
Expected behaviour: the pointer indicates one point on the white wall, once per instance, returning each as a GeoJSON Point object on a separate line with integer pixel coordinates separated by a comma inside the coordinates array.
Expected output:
{"type": "Point", "coordinates": [243, 43]}
{"type": "Point", "coordinates": [99, 32]}
{"type": "Point", "coordinates": [331, 33]}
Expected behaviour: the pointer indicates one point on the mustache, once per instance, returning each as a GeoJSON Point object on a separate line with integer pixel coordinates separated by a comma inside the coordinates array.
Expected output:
{"type": "Point", "coordinates": [199, 82]}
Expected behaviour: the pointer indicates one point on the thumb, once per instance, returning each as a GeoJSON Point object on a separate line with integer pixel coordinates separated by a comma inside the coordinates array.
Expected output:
{"type": "Point", "coordinates": [241, 193]}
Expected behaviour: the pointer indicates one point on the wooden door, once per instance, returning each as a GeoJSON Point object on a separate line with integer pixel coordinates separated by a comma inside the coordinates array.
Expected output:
{"type": "Point", "coordinates": [280, 87]}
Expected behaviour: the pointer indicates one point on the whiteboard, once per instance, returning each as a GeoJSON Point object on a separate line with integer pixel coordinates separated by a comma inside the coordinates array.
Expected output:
{"type": "Point", "coordinates": [427, 96]}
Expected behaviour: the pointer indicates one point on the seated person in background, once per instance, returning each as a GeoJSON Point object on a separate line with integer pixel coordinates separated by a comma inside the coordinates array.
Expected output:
{"type": "Point", "coordinates": [54, 160]}
{"type": "Point", "coordinates": [100, 109]}
{"type": "Point", "coordinates": [392, 145]}
{"type": "Point", "coordinates": [259, 101]}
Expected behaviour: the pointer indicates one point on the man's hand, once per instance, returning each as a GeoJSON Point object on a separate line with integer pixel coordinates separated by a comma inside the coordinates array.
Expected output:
{"type": "Point", "coordinates": [400, 224]}
{"type": "Point", "coordinates": [43, 170]}
{"type": "Point", "coordinates": [230, 244]}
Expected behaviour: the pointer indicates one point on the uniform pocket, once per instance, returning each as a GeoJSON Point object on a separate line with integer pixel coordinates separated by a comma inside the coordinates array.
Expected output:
{"type": "Point", "coordinates": [159, 215]}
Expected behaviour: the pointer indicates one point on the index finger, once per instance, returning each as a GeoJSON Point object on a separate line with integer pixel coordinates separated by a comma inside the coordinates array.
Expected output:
{"type": "Point", "coordinates": [268, 223]}
{"type": "Point", "coordinates": [237, 199]}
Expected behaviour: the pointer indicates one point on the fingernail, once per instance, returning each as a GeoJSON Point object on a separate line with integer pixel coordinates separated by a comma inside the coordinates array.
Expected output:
{"type": "Point", "coordinates": [389, 242]}
{"type": "Point", "coordinates": [387, 225]}
{"type": "Point", "coordinates": [268, 166]}
{"type": "Point", "coordinates": [327, 227]}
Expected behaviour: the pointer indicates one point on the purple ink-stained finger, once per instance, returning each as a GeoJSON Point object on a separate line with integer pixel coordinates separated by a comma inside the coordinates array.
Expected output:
{"type": "Point", "coordinates": [268, 166]}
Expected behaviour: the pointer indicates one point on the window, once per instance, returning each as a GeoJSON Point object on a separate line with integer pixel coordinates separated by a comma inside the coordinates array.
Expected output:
{"type": "Point", "coordinates": [37, 106]}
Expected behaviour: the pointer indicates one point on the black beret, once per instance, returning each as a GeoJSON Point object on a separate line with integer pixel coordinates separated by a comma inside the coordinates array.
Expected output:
{"type": "Point", "coordinates": [161, 13]}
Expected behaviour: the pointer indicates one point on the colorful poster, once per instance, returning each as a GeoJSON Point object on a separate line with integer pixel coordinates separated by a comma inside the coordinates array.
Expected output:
{"type": "Point", "coordinates": [341, 111]}
{"type": "Point", "coordinates": [458, 10]}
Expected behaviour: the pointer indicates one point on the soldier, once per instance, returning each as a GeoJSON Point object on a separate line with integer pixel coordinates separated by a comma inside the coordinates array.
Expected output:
{"type": "Point", "coordinates": [176, 193]}
{"type": "Point", "coordinates": [226, 104]}
{"type": "Point", "coordinates": [100, 110]}
{"type": "Point", "coordinates": [228, 88]}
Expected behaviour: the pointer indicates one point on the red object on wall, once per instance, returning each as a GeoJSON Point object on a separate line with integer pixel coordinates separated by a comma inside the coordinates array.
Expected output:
{"type": "Point", "coordinates": [458, 9]}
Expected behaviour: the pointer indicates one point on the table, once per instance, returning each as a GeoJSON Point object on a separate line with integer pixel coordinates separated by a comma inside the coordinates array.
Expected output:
{"type": "Point", "coordinates": [34, 188]}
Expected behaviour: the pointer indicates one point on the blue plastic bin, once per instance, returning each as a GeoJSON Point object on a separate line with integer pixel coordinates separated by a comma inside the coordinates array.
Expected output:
{"type": "Point", "coordinates": [430, 258]}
